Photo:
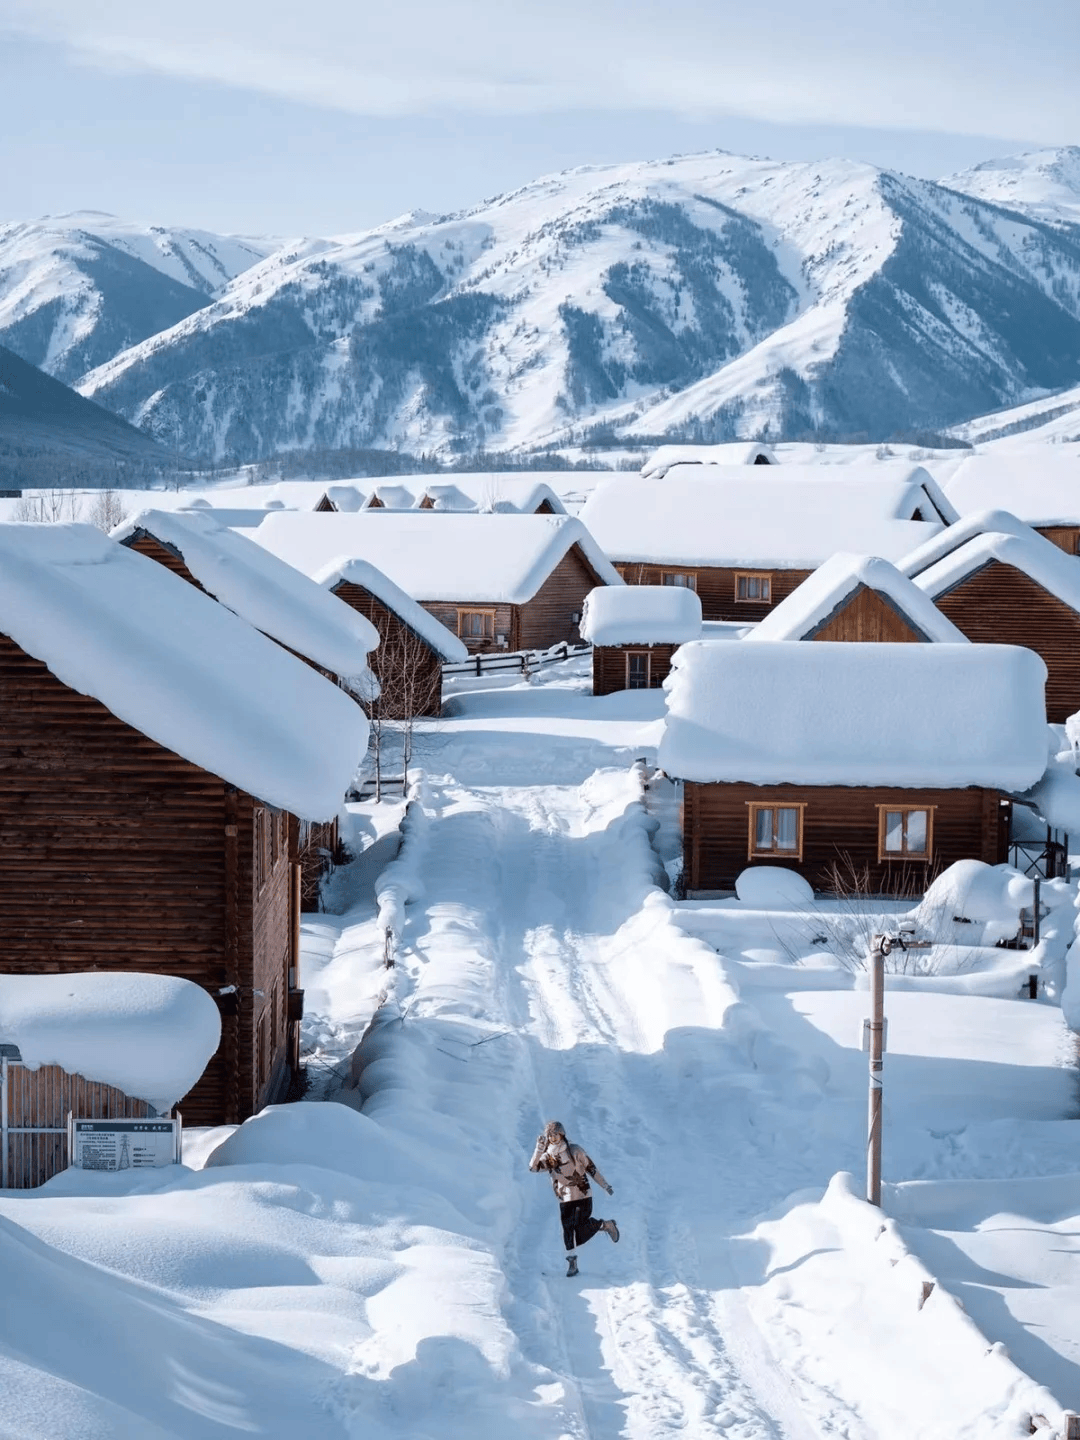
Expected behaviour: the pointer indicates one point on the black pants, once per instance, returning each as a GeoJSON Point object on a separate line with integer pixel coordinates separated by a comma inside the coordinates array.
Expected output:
{"type": "Point", "coordinates": [578, 1226]}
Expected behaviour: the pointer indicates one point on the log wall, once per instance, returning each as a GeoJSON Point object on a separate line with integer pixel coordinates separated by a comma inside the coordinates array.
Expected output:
{"type": "Point", "coordinates": [866, 617]}
{"type": "Point", "coordinates": [408, 669]}
{"type": "Point", "coordinates": [716, 587]}
{"type": "Point", "coordinates": [1001, 605]}
{"type": "Point", "coordinates": [609, 666]}
{"type": "Point", "coordinates": [840, 828]}
{"type": "Point", "coordinates": [1065, 537]}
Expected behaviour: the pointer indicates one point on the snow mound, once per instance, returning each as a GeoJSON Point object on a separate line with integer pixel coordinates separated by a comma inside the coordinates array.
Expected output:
{"type": "Point", "coordinates": [772, 887]}
{"type": "Point", "coordinates": [990, 896]}
{"type": "Point", "coordinates": [641, 615]}
{"type": "Point", "coordinates": [179, 667]}
{"type": "Point", "coordinates": [150, 1036]}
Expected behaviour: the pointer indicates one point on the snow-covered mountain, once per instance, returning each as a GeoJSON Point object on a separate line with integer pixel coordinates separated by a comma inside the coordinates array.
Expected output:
{"type": "Point", "coordinates": [1043, 183]}
{"type": "Point", "coordinates": [76, 289]}
{"type": "Point", "coordinates": [1053, 419]}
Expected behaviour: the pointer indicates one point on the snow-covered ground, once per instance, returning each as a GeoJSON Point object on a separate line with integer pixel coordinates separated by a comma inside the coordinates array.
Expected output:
{"type": "Point", "coordinates": [378, 1262]}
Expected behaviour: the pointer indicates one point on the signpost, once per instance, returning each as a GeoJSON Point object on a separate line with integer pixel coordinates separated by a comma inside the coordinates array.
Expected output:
{"type": "Point", "coordinates": [882, 945]}
{"type": "Point", "coordinates": [123, 1144]}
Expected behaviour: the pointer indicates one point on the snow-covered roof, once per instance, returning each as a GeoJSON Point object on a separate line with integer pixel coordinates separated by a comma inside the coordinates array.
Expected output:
{"type": "Point", "coordinates": [150, 1036]}
{"type": "Point", "coordinates": [759, 517]}
{"type": "Point", "coordinates": [434, 556]}
{"type": "Point", "coordinates": [420, 621]}
{"type": "Point", "coordinates": [495, 492]}
{"type": "Point", "coordinates": [1037, 486]}
{"type": "Point", "coordinates": [740, 452]}
{"type": "Point", "coordinates": [641, 615]}
{"type": "Point", "coordinates": [1032, 554]}
{"type": "Point", "coordinates": [178, 666]}
{"type": "Point", "coordinates": [261, 588]}
{"type": "Point", "coordinates": [922, 716]}
{"type": "Point", "coordinates": [247, 518]}
{"type": "Point", "coordinates": [813, 603]}
{"type": "Point", "coordinates": [979, 522]}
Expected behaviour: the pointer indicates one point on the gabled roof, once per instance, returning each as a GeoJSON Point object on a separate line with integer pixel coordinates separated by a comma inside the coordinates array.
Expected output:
{"type": "Point", "coordinates": [790, 517]}
{"type": "Point", "coordinates": [738, 452]}
{"type": "Point", "coordinates": [915, 716]}
{"type": "Point", "coordinates": [486, 492]}
{"type": "Point", "coordinates": [812, 604]}
{"type": "Point", "coordinates": [361, 572]}
{"type": "Point", "coordinates": [261, 588]}
{"type": "Point", "coordinates": [641, 615]}
{"type": "Point", "coordinates": [1040, 486]}
{"type": "Point", "coordinates": [433, 556]}
{"type": "Point", "coordinates": [979, 522]}
{"type": "Point", "coordinates": [179, 667]}
{"type": "Point", "coordinates": [1038, 558]}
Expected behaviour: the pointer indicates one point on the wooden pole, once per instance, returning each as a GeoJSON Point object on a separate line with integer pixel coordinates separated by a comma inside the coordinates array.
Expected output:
{"type": "Point", "coordinates": [878, 951]}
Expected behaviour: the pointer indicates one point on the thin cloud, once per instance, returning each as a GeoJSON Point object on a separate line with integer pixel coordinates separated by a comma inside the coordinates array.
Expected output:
{"type": "Point", "coordinates": [988, 67]}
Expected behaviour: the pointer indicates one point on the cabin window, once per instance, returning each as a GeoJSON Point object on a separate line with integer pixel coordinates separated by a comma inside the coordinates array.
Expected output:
{"type": "Point", "coordinates": [638, 669]}
{"type": "Point", "coordinates": [684, 579]}
{"type": "Point", "coordinates": [476, 624]}
{"type": "Point", "coordinates": [755, 589]}
{"type": "Point", "coordinates": [905, 834]}
{"type": "Point", "coordinates": [776, 830]}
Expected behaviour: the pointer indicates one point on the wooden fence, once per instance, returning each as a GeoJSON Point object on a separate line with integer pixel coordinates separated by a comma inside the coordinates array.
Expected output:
{"type": "Point", "coordinates": [524, 661]}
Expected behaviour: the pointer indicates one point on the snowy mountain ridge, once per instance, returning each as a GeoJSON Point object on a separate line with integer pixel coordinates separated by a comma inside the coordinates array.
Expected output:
{"type": "Point", "coordinates": [1044, 184]}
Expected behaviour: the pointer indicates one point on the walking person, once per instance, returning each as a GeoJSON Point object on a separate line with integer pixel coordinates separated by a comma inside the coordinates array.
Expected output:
{"type": "Point", "coordinates": [570, 1170]}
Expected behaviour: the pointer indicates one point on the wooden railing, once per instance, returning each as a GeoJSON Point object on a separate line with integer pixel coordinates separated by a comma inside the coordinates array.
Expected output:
{"type": "Point", "coordinates": [523, 661]}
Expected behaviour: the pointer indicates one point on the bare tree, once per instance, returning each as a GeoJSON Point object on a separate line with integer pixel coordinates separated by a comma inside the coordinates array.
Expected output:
{"type": "Point", "coordinates": [106, 510]}
{"type": "Point", "coordinates": [410, 680]}
{"type": "Point", "coordinates": [49, 507]}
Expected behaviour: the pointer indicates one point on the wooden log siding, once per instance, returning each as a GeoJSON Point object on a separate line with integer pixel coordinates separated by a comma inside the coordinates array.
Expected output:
{"type": "Point", "coordinates": [1001, 605]}
{"type": "Point", "coordinates": [541, 622]}
{"type": "Point", "coordinates": [840, 825]}
{"type": "Point", "coordinates": [866, 617]}
{"type": "Point", "coordinates": [408, 669]}
{"type": "Point", "coordinates": [44, 1098]}
{"type": "Point", "coordinates": [716, 586]}
{"type": "Point", "coordinates": [609, 666]}
{"type": "Point", "coordinates": [115, 854]}
{"type": "Point", "coordinates": [1065, 537]}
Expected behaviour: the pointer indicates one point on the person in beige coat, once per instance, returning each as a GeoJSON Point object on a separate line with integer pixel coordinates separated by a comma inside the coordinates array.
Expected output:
{"type": "Point", "coordinates": [571, 1170]}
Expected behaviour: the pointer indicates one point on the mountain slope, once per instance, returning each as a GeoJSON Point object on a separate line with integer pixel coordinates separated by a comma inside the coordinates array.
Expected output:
{"type": "Point", "coordinates": [1044, 184]}
{"type": "Point", "coordinates": [76, 289]}
{"type": "Point", "coordinates": [705, 297]}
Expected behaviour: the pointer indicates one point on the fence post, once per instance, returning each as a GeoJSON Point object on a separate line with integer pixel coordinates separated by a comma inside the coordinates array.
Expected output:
{"type": "Point", "coordinates": [1072, 1426]}
{"type": "Point", "coordinates": [878, 951]}
{"type": "Point", "coordinates": [1035, 928]}
{"type": "Point", "coordinates": [478, 667]}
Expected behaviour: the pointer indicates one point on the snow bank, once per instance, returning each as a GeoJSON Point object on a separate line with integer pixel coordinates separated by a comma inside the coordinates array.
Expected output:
{"type": "Point", "coordinates": [150, 1036]}
{"type": "Point", "coordinates": [1031, 554]}
{"type": "Point", "coordinates": [497, 559]}
{"type": "Point", "coordinates": [838, 714]}
{"type": "Point", "coordinates": [179, 667]}
{"type": "Point", "coordinates": [401, 882]}
{"type": "Point", "coordinates": [641, 615]}
{"type": "Point", "coordinates": [1042, 489]}
{"type": "Point", "coordinates": [990, 897]}
{"type": "Point", "coordinates": [762, 517]}
{"type": "Point", "coordinates": [261, 589]}
{"type": "Point", "coordinates": [419, 620]}
{"type": "Point", "coordinates": [772, 887]}
{"type": "Point", "coordinates": [811, 605]}
{"type": "Point", "coordinates": [981, 522]}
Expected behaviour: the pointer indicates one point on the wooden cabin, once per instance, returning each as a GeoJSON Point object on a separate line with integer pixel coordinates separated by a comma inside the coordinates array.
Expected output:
{"type": "Point", "coordinates": [865, 766]}
{"type": "Point", "coordinates": [634, 631]}
{"type": "Point", "coordinates": [1016, 589]}
{"type": "Point", "coordinates": [736, 452]}
{"type": "Point", "coordinates": [497, 582]}
{"type": "Point", "coordinates": [744, 541]}
{"type": "Point", "coordinates": [153, 747]}
{"type": "Point", "coordinates": [413, 645]}
{"type": "Point", "coordinates": [1042, 490]}
{"type": "Point", "coordinates": [858, 599]}
{"type": "Point", "coordinates": [286, 607]}
{"type": "Point", "coordinates": [484, 492]}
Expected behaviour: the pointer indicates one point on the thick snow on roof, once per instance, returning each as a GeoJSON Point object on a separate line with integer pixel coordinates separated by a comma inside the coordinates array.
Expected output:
{"type": "Point", "coordinates": [641, 615]}
{"type": "Point", "coordinates": [148, 1035]}
{"type": "Point", "coordinates": [819, 597]}
{"type": "Point", "coordinates": [979, 522]}
{"type": "Point", "coordinates": [1032, 554]}
{"type": "Point", "coordinates": [835, 714]}
{"type": "Point", "coordinates": [741, 452]}
{"type": "Point", "coordinates": [178, 666]}
{"type": "Point", "coordinates": [1041, 488]}
{"type": "Point", "coordinates": [486, 491]}
{"type": "Point", "coordinates": [754, 517]}
{"type": "Point", "coordinates": [436, 556]}
{"type": "Point", "coordinates": [362, 572]}
{"type": "Point", "coordinates": [262, 589]}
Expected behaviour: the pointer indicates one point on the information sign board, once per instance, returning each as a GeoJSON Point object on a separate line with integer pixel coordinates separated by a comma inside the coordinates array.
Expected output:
{"type": "Point", "coordinates": [123, 1144]}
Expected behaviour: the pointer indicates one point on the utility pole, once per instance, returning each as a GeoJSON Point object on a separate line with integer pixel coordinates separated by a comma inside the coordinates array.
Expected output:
{"type": "Point", "coordinates": [881, 946]}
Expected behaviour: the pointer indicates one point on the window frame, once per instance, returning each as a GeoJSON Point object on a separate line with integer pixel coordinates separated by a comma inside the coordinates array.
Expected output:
{"type": "Point", "coordinates": [488, 615]}
{"type": "Point", "coordinates": [687, 579]}
{"type": "Point", "coordinates": [752, 808]}
{"type": "Point", "coordinates": [905, 856]}
{"type": "Point", "coordinates": [638, 650]}
{"type": "Point", "coordinates": [765, 575]}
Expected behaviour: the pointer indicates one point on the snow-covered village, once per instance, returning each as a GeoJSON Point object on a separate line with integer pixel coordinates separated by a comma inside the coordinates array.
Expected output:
{"type": "Point", "coordinates": [539, 737]}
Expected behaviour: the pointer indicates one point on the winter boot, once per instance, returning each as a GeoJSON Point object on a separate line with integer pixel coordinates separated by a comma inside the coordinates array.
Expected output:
{"type": "Point", "coordinates": [610, 1229]}
{"type": "Point", "coordinates": [571, 1266]}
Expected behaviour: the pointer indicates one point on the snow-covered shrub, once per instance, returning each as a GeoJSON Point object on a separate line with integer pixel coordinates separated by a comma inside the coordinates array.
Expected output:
{"type": "Point", "coordinates": [771, 887]}
{"type": "Point", "coordinates": [972, 903]}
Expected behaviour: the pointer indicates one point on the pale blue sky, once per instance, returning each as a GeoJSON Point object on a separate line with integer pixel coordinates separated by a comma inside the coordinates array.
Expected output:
{"type": "Point", "coordinates": [250, 115]}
